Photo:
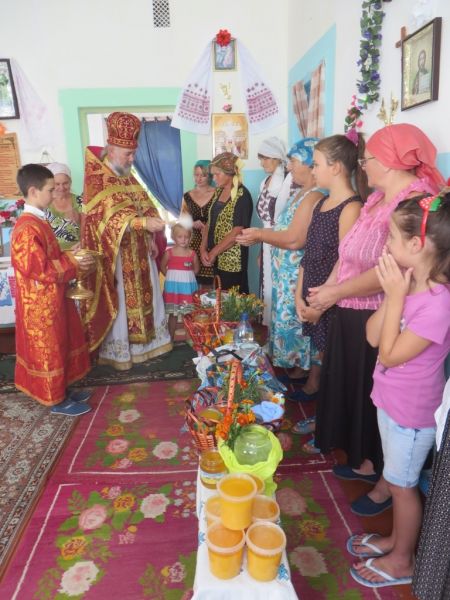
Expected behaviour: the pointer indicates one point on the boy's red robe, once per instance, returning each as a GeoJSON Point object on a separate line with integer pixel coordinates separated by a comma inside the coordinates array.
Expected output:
{"type": "Point", "coordinates": [50, 343]}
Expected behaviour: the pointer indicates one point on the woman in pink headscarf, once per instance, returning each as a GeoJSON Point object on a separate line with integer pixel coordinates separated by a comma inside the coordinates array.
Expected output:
{"type": "Point", "coordinates": [400, 163]}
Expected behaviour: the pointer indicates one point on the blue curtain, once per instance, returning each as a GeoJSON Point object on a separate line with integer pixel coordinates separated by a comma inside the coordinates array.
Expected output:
{"type": "Point", "coordinates": [158, 162]}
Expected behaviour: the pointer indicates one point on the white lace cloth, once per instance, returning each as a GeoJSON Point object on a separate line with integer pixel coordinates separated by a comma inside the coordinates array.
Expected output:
{"type": "Point", "coordinates": [242, 587]}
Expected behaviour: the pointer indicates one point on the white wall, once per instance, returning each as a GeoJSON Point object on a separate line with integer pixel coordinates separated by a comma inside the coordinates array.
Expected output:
{"type": "Point", "coordinates": [110, 44]}
{"type": "Point", "coordinates": [309, 21]}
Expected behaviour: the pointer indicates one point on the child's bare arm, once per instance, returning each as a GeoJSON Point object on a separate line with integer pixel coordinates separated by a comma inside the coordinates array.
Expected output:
{"type": "Point", "coordinates": [374, 325]}
{"type": "Point", "coordinates": [164, 261]}
{"type": "Point", "coordinates": [196, 264]}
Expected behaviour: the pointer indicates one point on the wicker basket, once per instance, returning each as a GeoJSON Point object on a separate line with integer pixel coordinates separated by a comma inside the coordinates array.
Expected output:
{"type": "Point", "coordinates": [201, 429]}
{"type": "Point", "coordinates": [204, 326]}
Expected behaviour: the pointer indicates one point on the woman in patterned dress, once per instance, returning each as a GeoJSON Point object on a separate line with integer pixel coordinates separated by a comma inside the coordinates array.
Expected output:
{"type": "Point", "coordinates": [197, 203]}
{"type": "Point", "coordinates": [288, 348]}
{"type": "Point", "coordinates": [272, 155]}
{"type": "Point", "coordinates": [64, 213]}
{"type": "Point", "coordinates": [230, 212]}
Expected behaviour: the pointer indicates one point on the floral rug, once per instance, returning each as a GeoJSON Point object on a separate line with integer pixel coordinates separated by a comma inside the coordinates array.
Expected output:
{"type": "Point", "coordinates": [112, 539]}
{"type": "Point", "coordinates": [317, 521]}
{"type": "Point", "coordinates": [176, 364]}
{"type": "Point", "coordinates": [30, 440]}
{"type": "Point", "coordinates": [133, 430]}
{"type": "Point", "coordinates": [116, 538]}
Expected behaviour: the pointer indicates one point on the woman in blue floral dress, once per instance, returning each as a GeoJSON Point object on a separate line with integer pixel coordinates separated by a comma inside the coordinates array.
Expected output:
{"type": "Point", "coordinates": [287, 347]}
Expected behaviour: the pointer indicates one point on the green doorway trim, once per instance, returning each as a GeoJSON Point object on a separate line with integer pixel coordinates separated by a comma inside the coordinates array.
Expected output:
{"type": "Point", "coordinates": [76, 104]}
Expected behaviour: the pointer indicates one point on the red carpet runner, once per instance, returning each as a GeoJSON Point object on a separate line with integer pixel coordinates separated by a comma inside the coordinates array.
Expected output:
{"type": "Point", "coordinates": [117, 518]}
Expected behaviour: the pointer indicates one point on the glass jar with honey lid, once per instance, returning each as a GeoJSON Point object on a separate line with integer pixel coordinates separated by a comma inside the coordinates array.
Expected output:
{"type": "Point", "coordinates": [212, 468]}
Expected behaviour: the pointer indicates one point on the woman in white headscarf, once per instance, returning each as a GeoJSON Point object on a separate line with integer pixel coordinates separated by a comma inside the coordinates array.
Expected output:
{"type": "Point", "coordinates": [272, 155]}
{"type": "Point", "coordinates": [64, 213]}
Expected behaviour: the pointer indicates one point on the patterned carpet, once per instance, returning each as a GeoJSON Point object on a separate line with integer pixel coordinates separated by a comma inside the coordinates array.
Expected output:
{"type": "Point", "coordinates": [117, 517]}
{"type": "Point", "coordinates": [30, 440]}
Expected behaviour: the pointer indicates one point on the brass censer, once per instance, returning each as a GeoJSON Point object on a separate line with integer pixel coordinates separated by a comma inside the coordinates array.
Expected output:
{"type": "Point", "coordinates": [78, 291]}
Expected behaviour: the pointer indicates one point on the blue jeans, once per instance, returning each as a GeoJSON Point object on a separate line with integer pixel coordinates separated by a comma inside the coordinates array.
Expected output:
{"type": "Point", "coordinates": [405, 450]}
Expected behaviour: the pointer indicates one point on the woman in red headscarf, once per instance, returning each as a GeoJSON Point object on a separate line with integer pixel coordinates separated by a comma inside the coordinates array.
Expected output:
{"type": "Point", "coordinates": [400, 163]}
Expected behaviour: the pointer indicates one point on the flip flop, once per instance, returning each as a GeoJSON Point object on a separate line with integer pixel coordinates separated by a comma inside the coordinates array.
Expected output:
{"type": "Point", "coordinates": [310, 448]}
{"type": "Point", "coordinates": [305, 426]}
{"type": "Point", "coordinates": [364, 542]}
{"type": "Point", "coordinates": [388, 579]}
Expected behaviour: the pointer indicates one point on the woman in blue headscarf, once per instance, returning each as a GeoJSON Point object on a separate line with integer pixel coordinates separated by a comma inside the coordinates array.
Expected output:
{"type": "Point", "coordinates": [288, 348]}
{"type": "Point", "coordinates": [197, 203]}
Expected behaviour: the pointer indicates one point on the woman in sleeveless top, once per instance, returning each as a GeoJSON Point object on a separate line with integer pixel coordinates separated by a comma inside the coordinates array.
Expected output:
{"type": "Point", "coordinates": [197, 203]}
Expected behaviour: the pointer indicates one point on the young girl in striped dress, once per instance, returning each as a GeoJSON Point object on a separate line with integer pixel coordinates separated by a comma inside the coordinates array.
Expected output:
{"type": "Point", "coordinates": [179, 264]}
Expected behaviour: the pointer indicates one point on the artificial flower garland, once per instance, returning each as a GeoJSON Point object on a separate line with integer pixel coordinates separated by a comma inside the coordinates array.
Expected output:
{"type": "Point", "coordinates": [10, 212]}
{"type": "Point", "coordinates": [368, 84]}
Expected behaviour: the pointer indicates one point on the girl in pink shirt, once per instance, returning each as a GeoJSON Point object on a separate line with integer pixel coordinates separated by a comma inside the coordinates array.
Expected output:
{"type": "Point", "coordinates": [412, 332]}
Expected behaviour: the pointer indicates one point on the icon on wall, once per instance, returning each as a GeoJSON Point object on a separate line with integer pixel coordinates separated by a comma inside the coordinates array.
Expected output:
{"type": "Point", "coordinates": [9, 107]}
{"type": "Point", "coordinates": [420, 65]}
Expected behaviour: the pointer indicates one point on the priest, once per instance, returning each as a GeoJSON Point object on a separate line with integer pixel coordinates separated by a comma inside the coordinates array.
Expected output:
{"type": "Point", "coordinates": [125, 320]}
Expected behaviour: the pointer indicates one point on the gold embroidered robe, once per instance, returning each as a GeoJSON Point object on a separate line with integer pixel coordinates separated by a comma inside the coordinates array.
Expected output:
{"type": "Point", "coordinates": [50, 344]}
{"type": "Point", "coordinates": [110, 205]}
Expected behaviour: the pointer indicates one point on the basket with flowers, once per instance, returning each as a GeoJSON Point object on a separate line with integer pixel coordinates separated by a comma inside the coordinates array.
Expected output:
{"type": "Point", "coordinates": [234, 304]}
{"type": "Point", "coordinates": [232, 411]}
{"type": "Point", "coordinates": [209, 325]}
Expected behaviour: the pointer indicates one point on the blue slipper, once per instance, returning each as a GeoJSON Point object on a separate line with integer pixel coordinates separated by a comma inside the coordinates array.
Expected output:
{"type": "Point", "coordinates": [364, 506]}
{"type": "Point", "coordinates": [301, 396]}
{"type": "Point", "coordinates": [365, 541]}
{"type": "Point", "coordinates": [346, 472]}
{"type": "Point", "coordinates": [70, 409]}
{"type": "Point", "coordinates": [79, 396]}
{"type": "Point", "coordinates": [388, 579]}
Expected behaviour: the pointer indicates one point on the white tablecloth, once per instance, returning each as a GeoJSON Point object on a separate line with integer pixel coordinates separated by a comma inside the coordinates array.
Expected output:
{"type": "Point", "coordinates": [242, 587]}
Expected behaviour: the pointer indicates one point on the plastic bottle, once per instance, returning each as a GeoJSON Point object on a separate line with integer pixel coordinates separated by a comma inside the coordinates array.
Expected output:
{"type": "Point", "coordinates": [244, 331]}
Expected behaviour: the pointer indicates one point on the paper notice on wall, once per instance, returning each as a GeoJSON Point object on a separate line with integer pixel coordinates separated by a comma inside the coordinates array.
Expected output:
{"type": "Point", "coordinates": [10, 162]}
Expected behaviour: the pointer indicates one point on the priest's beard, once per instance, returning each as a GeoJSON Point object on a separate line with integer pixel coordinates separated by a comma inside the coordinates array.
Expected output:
{"type": "Point", "coordinates": [121, 171]}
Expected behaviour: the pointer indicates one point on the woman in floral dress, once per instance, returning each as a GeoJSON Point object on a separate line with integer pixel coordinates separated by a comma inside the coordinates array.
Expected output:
{"type": "Point", "coordinates": [287, 346]}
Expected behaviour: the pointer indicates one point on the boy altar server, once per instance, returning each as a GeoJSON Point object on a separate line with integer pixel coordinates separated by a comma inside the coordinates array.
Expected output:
{"type": "Point", "coordinates": [50, 344]}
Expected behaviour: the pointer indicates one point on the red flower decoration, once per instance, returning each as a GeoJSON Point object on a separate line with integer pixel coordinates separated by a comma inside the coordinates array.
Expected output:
{"type": "Point", "coordinates": [223, 38]}
{"type": "Point", "coordinates": [20, 203]}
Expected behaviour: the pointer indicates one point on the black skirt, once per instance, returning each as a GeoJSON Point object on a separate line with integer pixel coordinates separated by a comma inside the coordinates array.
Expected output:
{"type": "Point", "coordinates": [346, 416]}
{"type": "Point", "coordinates": [432, 571]}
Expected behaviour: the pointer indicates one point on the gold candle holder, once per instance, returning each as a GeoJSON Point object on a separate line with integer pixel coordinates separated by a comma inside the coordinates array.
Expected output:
{"type": "Point", "coordinates": [78, 291]}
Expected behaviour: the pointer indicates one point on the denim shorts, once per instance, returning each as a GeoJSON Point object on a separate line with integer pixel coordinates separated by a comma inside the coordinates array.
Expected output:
{"type": "Point", "coordinates": [404, 450]}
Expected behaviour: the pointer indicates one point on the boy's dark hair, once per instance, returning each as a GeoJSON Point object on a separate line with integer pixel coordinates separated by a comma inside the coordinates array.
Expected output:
{"type": "Point", "coordinates": [408, 218]}
{"type": "Point", "coordinates": [32, 175]}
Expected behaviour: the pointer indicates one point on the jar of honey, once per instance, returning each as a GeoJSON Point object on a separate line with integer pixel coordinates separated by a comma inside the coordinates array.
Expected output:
{"type": "Point", "coordinates": [212, 468]}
